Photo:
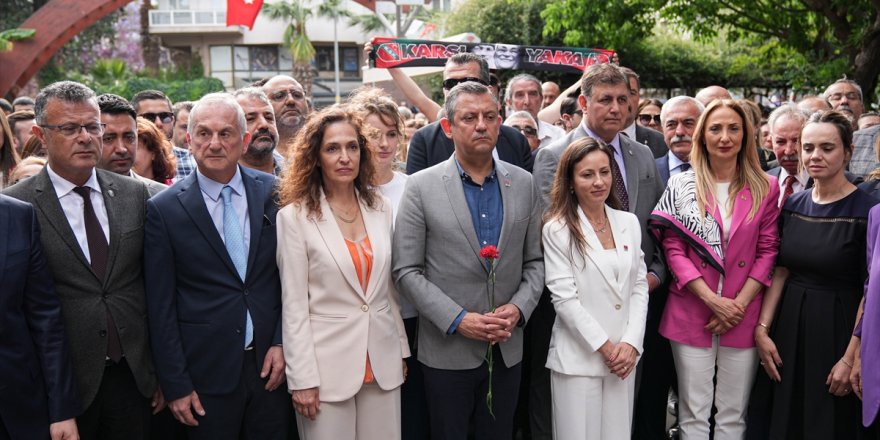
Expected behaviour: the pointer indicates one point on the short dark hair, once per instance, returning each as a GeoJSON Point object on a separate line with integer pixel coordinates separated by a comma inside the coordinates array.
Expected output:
{"type": "Point", "coordinates": [840, 121]}
{"type": "Point", "coordinates": [22, 100]}
{"type": "Point", "coordinates": [68, 91]}
{"type": "Point", "coordinates": [115, 105]}
{"type": "Point", "coordinates": [631, 74]}
{"type": "Point", "coordinates": [21, 115]}
{"type": "Point", "coordinates": [463, 58]}
{"type": "Point", "coordinates": [145, 95]}
{"type": "Point", "coordinates": [182, 105]}
{"type": "Point", "coordinates": [5, 105]}
{"type": "Point", "coordinates": [569, 106]}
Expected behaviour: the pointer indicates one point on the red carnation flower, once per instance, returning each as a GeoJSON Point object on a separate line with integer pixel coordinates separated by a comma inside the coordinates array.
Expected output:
{"type": "Point", "coordinates": [489, 251]}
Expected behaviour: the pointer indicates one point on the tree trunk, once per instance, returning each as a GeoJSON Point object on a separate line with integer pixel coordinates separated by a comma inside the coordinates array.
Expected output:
{"type": "Point", "coordinates": [302, 72]}
{"type": "Point", "coordinates": [866, 65]}
{"type": "Point", "coordinates": [149, 43]}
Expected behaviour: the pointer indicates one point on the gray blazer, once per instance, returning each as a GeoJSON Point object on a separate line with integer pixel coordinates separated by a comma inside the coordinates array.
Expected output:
{"type": "Point", "coordinates": [84, 297]}
{"type": "Point", "coordinates": [643, 186]}
{"type": "Point", "coordinates": [437, 266]}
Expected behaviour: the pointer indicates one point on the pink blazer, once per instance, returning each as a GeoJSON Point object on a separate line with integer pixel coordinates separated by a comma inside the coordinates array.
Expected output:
{"type": "Point", "coordinates": [751, 253]}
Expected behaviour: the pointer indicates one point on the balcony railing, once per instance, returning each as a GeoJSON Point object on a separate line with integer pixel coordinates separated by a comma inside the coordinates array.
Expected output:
{"type": "Point", "coordinates": [187, 18]}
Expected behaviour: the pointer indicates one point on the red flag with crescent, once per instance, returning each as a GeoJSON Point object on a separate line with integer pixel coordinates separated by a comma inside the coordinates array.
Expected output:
{"type": "Point", "coordinates": [242, 12]}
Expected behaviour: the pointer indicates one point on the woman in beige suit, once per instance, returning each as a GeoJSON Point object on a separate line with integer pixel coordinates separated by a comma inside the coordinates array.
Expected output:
{"type": "Point", "coordinates": [596, 274]}
{"type": "Point", "coordinates": [344, 340]}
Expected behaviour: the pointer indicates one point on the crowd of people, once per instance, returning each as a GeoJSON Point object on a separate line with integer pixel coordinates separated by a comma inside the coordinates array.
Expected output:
{"type": "Point", "coordinates": [515, 262]}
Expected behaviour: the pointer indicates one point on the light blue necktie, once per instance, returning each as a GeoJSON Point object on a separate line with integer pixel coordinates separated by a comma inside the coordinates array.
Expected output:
{"type": "Point", "coordinates": [235, 246]}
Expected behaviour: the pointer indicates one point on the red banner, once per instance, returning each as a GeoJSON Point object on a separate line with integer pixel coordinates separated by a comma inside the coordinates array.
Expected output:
{"type": "Point", "coordinates": [242, 12]}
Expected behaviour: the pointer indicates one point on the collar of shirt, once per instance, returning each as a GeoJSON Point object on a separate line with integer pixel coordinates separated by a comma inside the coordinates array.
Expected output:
{"type": "Point", "coordinates": [465, 177]}
{"type": "Point", "coordinates": [64, 187]}
{"type": "Point", "coordinates": [675, 162]}
{"type": "Point", "coordinates": [614, 142]}
{"type": "Point", "coordinates": [212, 188]}
{"type": "Point", "coordinates": [548, 133]}
{"type": "Point", "coordinates": [800, 178]}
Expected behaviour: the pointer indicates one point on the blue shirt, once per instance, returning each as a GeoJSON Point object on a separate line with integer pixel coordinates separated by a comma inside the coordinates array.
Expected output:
{"type": "Point", "coordinates": [487, 214]}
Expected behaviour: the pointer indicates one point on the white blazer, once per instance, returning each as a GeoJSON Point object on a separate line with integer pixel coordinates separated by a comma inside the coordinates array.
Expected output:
{"type": "Point", "coordinates": [593, 305]}
{"type": "Point", "coordinates": [329, 323]}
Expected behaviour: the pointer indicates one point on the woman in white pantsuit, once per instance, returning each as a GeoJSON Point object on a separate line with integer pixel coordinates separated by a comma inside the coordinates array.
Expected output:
{"type": "Point", "coordinates": [596, 274]}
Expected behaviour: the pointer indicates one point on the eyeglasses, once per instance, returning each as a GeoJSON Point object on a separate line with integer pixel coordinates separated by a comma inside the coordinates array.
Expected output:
{"type": "Point", "coordinates": [164, 117]}
{"type": "Point", "coordinates": [281, 95]}
{"type": "Point", "coordinates": [70, 130]}
{"type": "Point", "coordinates": [449, 83]}
{"type": "Point", "coordinates": [645, 119]}
{"type": "Point", "coordinates": [526, 131]}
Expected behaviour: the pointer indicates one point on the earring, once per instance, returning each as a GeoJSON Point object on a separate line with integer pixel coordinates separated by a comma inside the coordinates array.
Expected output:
{"type": "Point", "coordinates": [571, 190]}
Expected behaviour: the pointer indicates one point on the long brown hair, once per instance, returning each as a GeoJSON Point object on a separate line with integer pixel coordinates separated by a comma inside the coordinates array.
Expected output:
{"type": "Point", "coordinates": [8, 156]}
{"type": "Point", "coordinates": [151, 138]}
{"type": "Point", "coordinates": [748, 166]}
{"type": "Point", "coordinates": [303, 181]}
{"type": "Point", "coordinates": [563, 201]}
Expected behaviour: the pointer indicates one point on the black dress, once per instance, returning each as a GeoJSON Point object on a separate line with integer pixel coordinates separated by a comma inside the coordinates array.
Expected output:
{"type": "Point", "coordinates": [823, 247]}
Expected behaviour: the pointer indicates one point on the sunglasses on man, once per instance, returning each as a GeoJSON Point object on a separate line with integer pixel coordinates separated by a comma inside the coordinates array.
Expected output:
{"type": "Point", "coordinates": [164, 117]}
{"type": "Point", "coordinates": [645, 119]}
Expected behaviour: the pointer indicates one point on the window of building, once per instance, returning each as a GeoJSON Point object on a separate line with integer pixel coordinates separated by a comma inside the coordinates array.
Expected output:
{"type": "Point", "coordinates": [238, 66]}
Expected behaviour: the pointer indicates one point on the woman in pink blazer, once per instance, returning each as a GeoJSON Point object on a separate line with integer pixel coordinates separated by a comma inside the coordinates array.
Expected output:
{"type": "Point", "coordinates": [344, 340]}
{"type": "Point", "coordinates": [717, 226]}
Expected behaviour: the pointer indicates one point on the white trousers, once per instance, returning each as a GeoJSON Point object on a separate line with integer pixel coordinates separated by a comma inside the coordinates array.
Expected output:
{"type": "Point", "coordinates": [592, 407]}
{"type": "Point", "coordinates": [372, 414]}
{"type": "Point", "coordinates": [696, 368]}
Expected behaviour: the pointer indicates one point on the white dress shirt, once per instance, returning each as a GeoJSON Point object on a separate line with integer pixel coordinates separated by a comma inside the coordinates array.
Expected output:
{"type": "Point", "coordinates": [618, 155]}
{"type": "Point", "coordinates": [72, 205]}
{"type": "Point", "coordinates": [548, 133]}
{"type": "Point", "coordinates": [675, 164]}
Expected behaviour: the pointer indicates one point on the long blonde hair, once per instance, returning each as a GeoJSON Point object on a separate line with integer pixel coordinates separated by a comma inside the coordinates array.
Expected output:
{"type": "Point", "coordinates": [748, 167]}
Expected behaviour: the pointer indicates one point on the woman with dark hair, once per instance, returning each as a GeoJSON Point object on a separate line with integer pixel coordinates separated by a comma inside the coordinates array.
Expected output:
{"type": "Point", "coordinates": [717, 226]}
{"type": "Point", "coordinates": [344, 341]}
{"type": "Point", "coordinates": [596, 274]}
{"type": "Point", "coordinates": [8, 156]}
{"type": "Point", "coordinates": [810, 310]}
{"type": "Point", "coordinates": [154, 159]}
{"type": "Point", "coordinates": [34, 147]}
{"type": "Point", "coordinates": [649, 114]}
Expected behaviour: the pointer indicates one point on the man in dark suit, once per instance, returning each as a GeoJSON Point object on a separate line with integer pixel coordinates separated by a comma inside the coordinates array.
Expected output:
{"type": "Point", "coordinates": [604, 99]}
{"type": "Point", "coordinates": [430, 145]}
{"type": "Point", "coordinates": [92, 234]}
{"type": "Point", "coordinates": [215, 293]}
{"type": "Point", "coordinates": [643, 135]}
{"type": "Point", "coordinates": [39, 391]}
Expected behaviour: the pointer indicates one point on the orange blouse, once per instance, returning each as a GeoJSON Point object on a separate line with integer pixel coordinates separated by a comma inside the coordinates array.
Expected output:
{"type": "Point", "coordinates": [362, 256]}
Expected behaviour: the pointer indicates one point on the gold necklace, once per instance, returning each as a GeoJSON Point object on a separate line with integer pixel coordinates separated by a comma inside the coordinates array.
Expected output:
{"type": "Point", "coordinates": [340, 217]}
{"type": "Point", "coordinates": [603, 228]}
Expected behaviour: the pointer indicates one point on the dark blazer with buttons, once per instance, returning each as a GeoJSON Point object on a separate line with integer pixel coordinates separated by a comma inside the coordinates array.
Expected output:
{"type": "Point", "coordinates": [37, 386]}
{"type": "Point", "coordinates": [84, 297]}
{"type": "Point", "coordinates": [430, 146]}
{"type": "Point", "coordinates": [198, 304]}
{"type": "Point", "coordinates": [653, 139]}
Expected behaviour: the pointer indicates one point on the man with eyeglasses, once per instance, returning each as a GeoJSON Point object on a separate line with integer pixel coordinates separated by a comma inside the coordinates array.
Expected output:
{"type": "Point", "coordinates": [92, 224]}
{"type": "Point", "coordinates": [430, 145]}
{"type": "Point", "coordinates": [155, 107]}
{"type": "Point", "coordinates": [643, 135]}
{"type": "Point", "coordinates": [524, 93]}
{"type": "Point", "coordinates": [846, 95]}
{"type": "Point", "coordinates": [523, 122]}
{"type": "Point", "coordinates": [120, 139]}
{"type": "Point", "coordinates": [291, 108]}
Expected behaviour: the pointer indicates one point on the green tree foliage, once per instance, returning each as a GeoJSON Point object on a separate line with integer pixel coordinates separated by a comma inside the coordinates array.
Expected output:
{"type": "Point", "coordinates": [113, 76]}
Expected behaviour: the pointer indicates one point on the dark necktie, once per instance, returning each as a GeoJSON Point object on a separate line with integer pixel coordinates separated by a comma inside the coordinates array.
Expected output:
{"type": "Point", "coordinates": [619, 185]}
{"type": "Point", "coordinates": [788, 190]}
{"type": "Point", "coordinates": [684, 166]}
{"type": "Point", "coordinates": [98, 251]}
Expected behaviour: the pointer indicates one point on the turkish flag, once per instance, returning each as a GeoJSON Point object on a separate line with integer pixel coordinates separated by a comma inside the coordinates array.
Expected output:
{"type": "Point", "coordinates": [242, 12]}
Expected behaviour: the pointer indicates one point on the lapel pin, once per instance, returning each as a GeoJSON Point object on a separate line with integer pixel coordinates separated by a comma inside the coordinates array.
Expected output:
{"type": "Point", "coordinates": [625, 247]}
{"type": "Point", "coordinates": [507, 183]}
{"type": "Point", "coordinates": [110, 193]}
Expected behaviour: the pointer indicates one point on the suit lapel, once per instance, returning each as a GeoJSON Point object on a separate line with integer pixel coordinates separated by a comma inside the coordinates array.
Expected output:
{"type": "Point", "coordinates": [455, 192]}
{"type": "Point", "coordinates": [253, 188]}
{"type": "Point", "coordinates": [378, 232]}
{"type": "Point", "coordinates": [336, 246]}
{"type": "Point", "coordinates": [741, 207]}
{"type": "Point", "coordinates": [632, 172]}
{"type": "Point", "coordinates": [47, 202]}
{"type": "Point", "coordinates": [508, 202]}
{"type": "Point", "coordinates": [594, 246]}
{"type": "Point", "coordinates": [623, 246]}
{"type": "Point", "coordinates": [108, 192]}
{"type": "Point", "coordinates": [192, 201]}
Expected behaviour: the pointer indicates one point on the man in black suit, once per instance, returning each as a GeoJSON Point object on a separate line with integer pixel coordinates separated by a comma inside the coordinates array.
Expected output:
{"type": "Point", "coordinates": [430, 145]}
{"type": "Point", "coordinates": [215, 293]}
{"type": "Point", "coordinates": [39, 391]}
{"type": "Point", "coordinates": [643, 135]}
{"type": "Point", "coordinates": [92, 233]}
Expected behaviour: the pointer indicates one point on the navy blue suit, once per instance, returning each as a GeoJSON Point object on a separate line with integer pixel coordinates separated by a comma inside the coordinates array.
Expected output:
{"type": "Point", "coordinates": [197, 302]}
{"type": "Point", "coordinates": [37, 385]}
{"type": "Point", "coordinates": [430, 146]}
